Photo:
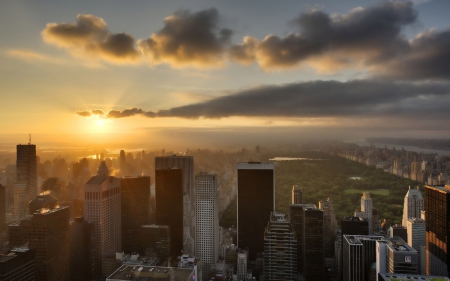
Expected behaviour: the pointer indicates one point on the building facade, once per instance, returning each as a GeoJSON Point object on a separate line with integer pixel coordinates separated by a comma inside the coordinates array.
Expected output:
{"type": "Point", "coordinates": [154, 241]}
{"type": "Point", "coordinates": [18, 264]}
{"type": "Point", "coordinates": [413, 205]}
{"type": "Point", "coordinates": [313, 244]}
{"type": "Point", "coordinates": [82, 250]}
{"type": "Point", "coordinates": [297, 195]}
{"type": "Point", "coordinates": [25, 188]}
{"type": "Point", "coordinates": [417, 239]}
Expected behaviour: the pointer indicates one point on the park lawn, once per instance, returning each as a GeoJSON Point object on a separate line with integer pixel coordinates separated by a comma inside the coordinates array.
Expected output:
{"type": "Point", "coordinates": [383, 192]}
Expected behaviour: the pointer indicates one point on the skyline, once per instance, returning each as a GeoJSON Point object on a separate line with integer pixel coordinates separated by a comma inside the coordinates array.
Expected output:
{"type": "Point", "coordinates": [278, 72]}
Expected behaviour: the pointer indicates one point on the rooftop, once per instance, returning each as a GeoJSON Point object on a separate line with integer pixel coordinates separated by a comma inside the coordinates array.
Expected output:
{"type": "Point", "coordinates": [138, 272]}
{"type": "Point", "coordinates": [97, 180]}
{"type": "Point", "coordinates": [410, 277]}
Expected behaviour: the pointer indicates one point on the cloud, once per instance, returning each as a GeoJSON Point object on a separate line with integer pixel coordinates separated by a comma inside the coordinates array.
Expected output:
{"type": "Point", "coordinates": [366, 34]}
{"type": "Point", "coordinates": [89, 36]}
{"type": "Point", "coordinates": [83, 113]}
{"type": "Point", "coordinates": [319, 99]}
{"type": "Point", "coordinates": [188, 39]}
{"type": "Point", "coordinates": [25, 54]}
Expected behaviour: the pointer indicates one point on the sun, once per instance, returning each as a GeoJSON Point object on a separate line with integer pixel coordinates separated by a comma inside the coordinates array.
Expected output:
{"type": "Point", "coordinates": [99, 123]}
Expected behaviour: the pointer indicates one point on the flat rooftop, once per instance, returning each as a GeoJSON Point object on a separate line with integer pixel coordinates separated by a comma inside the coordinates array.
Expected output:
{"type": "Point", "coordinates": [410, 277]}
{"type": "Point", "coordinates": [139, 272]}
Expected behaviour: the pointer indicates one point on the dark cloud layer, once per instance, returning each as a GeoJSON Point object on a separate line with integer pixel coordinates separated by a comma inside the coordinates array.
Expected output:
{"type": "Point", "coordinates": [188, 39]}
{"type": "Point", "coordinates": [89, 36]}
{"type": "Point", "coordinates": [357, 98]}
{"type": "Point", "coordinates": [368, 34]}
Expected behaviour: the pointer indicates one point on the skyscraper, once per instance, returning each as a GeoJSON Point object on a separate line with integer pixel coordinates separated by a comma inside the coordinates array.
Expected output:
{"type": "Point", "coordinates": [393, 255]}
{"type": "Point", "coordinates": [25, 188]}
{"type": "Point", "coordinates": [207, 222]}
{"type": "Point", "coordinates": [44, 200]}
{"type": "Point", "coordinates": [416, 239]}
{"type": "Point", "coordinates": [329, 224]}
{"type": "Point", "coordinates": [296, 214]}
{"type": "Point", "coordinates": [82, 250]}
{"type": "Point", "coordinates": [297, 195]}
{"type": "Point", "coordinates": [313, 244]}
{"type": "Point", "coordinates": [413, 205]}
{"type": "Point", "coordinates": [366, 209]}
{"type": "Point", "coordinates": [186, 164]}
{"type": "Point", "coordinates": [102, 208]}
{"type": "Point", "coordinates": [255, 201]}
{"type": "Point", "coordinates": [280, 249]}
{"type": "Point", "coordinates": [437, 230]}
{"type": "Point", "coordinates": [135, 211]}
{"type": "Point", "coordinates": [18, 264]}
{"type": "Point", "coordinates": [154, 240]}
{"type": "Point", "coordinates": [2, 209]}
{"type": "Point", "coordinates": [169, 205]}
{"type": "Point", "coordinates": [46, 231]}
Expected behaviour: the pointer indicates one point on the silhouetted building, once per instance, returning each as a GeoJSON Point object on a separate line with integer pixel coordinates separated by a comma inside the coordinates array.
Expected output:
{"type": "Point", "coordinates": [82, 250]}
{"type": "Point", "coordinates": [280, 249]}
{"type": "Point", "coordinates": [78, 207]}
{"type": "Point", "coordinates": [399, 231]}
{"type": "Point", "coordinates": [296, 214]}
{"type": "Point", "coordinates": [135, 199]}
{"type": "Point", "coordinates": [329, 225]}
{"type": "Point", "coordinates": [437, 200]}
{"type": "Point", "coordinates": [42, 201]}
{"type": "Point", "coordinates": [3, 205]}
{"type": "Point", "coordinates": [169, 205]}
{"type": "Point", "coordinates": [297, 195]}
{"type": "Point", "coordinates": [313, 244]}
{"type": "Point", "coordinates": [351, 226]}
{"type": "Point", "coordinates": [47, 232]}
{"type": "Point", "coordinates": [25, 188]}
{"type": "Point", "coordinates": [102, 208]}
{"type": "Point", "coordinates": [154, 241]}
{"type": "Point", "coordinates": [18, 264]}
{"type": "Point", "coordinates": [256, 201]}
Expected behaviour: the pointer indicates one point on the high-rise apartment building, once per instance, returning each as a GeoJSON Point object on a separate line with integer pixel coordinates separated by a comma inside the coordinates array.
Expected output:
{"type": "Point", "coordinates": [416, 239]}
{"type": "Point", "coordinates": [280, 249]}
{"type": "Point", "coordinates": [169, 205]}
{"type": "Point", "coordinates": [329, 224]}
{"type": "Point", "coordinates": [25, 188]}
{"type": "Point", "coordinates": [242, 268]}
{"type": "Point", "coordinates": [47, 232]}
{"type": "Point", "coordinates": [82, 250]}
{"type": "Point", "coordinates": [207, 222]}
{"type": "Point", "coordinates": [297, 195]}
{"type": "Point", "coordinates": [413, 205]}
{"type": "Point", "coordinates": [186, 164]}
{"type": "Point", "coordinates": [296, 215]}
{"type": "Point", "coordinates": [18, 264]}
{"type": "Point", "coordinates": [255, 201]}
{"type": "Point", "coordinates": [437, 200]}
{"type": "Point", "coordinates": [135, 210]}
{"type": "Point", "coordinates": [102, 207]}
{"type": "Point", "coordinates": [366, 209]}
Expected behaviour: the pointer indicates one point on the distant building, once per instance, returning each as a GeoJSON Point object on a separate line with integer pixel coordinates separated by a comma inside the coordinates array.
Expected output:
{"type": "Point", "coordinates": [297, 195]}
{"type": "Point", "coordinates": [18, 264]}
{"type": "Point", "coordinates": [437, 230]}
{"type": "Point", "coordinates": [82, 250]}
{"type": "Point", "coordinates": [169, 205]}
{"type": "Point", "coordinates": [25, 188]}
{"type": "Point", "coordinates": [154, 241]}
{"type": "Point", "coordinates": [280, 249]}
{"type": "Point", "coordinates": [207, 222]}
{"type": "Point", "coordinates": [242, 265]}
{"type": "Point", "coordinates": [102, 208]}
{"type": "Point", "coordinates": [417, 240]}
{"type": "Point", "coordinates": [366, 209]}
{"type": "Point", "coordinates": [256, 200]}
{"type": "Point", "coordinates": [413, 205]}
{"type": "Point", "coordinates": [47, 232]}
{"type": "Point", "coordinates": [135, 209]}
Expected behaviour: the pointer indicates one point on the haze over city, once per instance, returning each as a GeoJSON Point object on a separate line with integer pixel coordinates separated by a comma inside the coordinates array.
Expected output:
{"type": "Point", "coordinates": [223, 72]}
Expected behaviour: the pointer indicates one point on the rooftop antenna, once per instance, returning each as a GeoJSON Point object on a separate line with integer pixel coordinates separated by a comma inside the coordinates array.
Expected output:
{"type": "Point", "coordinates": [29, 140]}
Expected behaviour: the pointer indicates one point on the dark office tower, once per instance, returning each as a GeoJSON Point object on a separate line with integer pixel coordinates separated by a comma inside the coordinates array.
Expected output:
{"type": "Point", "coordinates": [351, 226]}
{"type": "Point", "coordinates": [313, 255]}
{"type": "Point", "coordinates": [43, 201]}
{"type": "Point", "coordinates": [2, 209]}
{"type": "Point", "coordinates": [256, 201]}
{"type": "Point", "coordinates": [122, 162]}
{"type": "Point", "coordinates": [47, 232]}
{"type": "Point", "coordinates": [329, 224]}
{"type": "Point", "coordinates": [154, 241]}
{"type": "Point", "coordinates": [297, 195]}
{"type": "Point", "coordinates": [17, 264]}
{"type": "Point", "coordinates": [437, 202]}
{"type": "Point", "coordinates": [186, 164]}
{"type": "Point", "coordinates": [25, 188]}
{"type": "Point", "coordinates": [82, 250]}
{"type": "Point", "coordinates": [169, 205]}
{"type": "Point", "coordinates": [78, 207]}
{"type": "Point", "coordinates": [399, 231]}
{"type": "Point", "coordinates": [297, 222]}
{"type": "Point", "coordinates": [280, 249]}
{"type": "Point", "coordinates": [135, 199]}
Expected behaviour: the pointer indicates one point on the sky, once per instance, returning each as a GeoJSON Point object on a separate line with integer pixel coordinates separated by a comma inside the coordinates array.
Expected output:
{"type": "Point", "coordinates": [194, 73]}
